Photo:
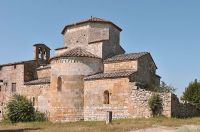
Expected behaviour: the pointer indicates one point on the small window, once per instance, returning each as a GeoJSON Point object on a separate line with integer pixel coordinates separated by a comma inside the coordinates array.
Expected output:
{"type": "Point", "coordinates": [1, 81]}
{"type": "Point", "coordinates": [0, 112]}
{"type": "Point", "coordinates": [0, 88]}
{"type": "Point", "coordinates": [0, 68]}
{"type": "Point", "coordinates": [15, 66]}
{"type": "Point", "coordinates": [59, 84]}
{"type": "Point", "coordinates": [106, 97]}
{"type": "Point", "coordinates": [13, 87]}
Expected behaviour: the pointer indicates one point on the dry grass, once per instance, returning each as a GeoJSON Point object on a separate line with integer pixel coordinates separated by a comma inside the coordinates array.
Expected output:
{"type": "Point", "coordinates": [117, 125]}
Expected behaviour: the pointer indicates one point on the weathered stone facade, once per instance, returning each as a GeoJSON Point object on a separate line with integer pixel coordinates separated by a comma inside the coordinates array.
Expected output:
{"type": "Point", "coordinates": [87, 77]}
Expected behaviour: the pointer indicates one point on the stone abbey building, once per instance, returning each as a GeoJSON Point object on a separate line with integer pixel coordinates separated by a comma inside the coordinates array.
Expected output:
{"type": "Point", "coordinates": [90, 75]}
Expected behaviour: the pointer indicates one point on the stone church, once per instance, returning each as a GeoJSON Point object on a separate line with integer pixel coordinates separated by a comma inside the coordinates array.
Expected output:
{"type": "Point", "coordinates": [90, 75]}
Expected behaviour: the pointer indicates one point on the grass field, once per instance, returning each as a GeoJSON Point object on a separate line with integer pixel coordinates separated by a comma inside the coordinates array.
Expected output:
{"type": "Point", "coordinates": [117, 125]}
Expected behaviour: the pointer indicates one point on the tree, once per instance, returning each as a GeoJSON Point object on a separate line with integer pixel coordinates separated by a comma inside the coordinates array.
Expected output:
{"type": "Point", "coordinates": [192, 93]}
{"type": "Point", "coordinates": [165, 88]}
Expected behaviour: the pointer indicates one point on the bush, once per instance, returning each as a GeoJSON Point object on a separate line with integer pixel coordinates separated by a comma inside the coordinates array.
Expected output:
{"type": "Point", "coordinates": [20, 109]}
{"type": "Point", "coordinates": [155, 104]}
{"type": "Point", "coordinates": [40, 117]}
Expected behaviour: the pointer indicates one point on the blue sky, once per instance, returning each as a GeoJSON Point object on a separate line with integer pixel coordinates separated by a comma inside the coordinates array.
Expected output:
{"type": "Point", "coordinates": [169, 29]}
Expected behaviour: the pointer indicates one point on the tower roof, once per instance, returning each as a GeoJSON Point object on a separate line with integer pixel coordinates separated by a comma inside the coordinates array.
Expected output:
{"type": "Point", "coordinates": [93, 20]}
{"type": "Point", "coordinates": [42, 44]}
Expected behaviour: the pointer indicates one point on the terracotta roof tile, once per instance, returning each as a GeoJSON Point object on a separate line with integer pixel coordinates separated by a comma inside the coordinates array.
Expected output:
{"type": "Point", "coordinates": [77, 52]}
{"type": "Point", "coordinates": [115, 74]}
{"type": "Point", "coordinates": [38, 81]}
{"type": "Point", "coordinates": [15, 63]}
{"type": "Point", "coordinates": [122, 57]}
{"type": "Point", "coordinates": [44, 67]}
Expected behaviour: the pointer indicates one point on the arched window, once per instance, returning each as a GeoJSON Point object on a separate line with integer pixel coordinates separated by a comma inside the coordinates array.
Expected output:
{"type": "Point", "coordinates": [59, 84]}
{"type": "Point", "coordinates": [106, 97]}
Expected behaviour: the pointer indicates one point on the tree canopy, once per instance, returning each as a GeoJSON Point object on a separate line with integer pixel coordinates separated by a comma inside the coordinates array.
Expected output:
{"type": "Point", "coordinates": [165, 88]}
{"type": "Point", "coordinates": [192, 93]}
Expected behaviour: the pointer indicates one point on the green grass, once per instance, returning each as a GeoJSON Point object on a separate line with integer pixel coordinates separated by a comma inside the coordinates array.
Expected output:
{"type": "Point", "coordinates": [121, 125]}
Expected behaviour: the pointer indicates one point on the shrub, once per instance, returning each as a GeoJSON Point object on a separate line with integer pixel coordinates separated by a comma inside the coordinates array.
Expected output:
{"type": "Point", "coordinates": [19, 109]}
{"type": "Point", "coordinates": [40, 117]}
{"type": "Point", "coordinates": [155, 104]}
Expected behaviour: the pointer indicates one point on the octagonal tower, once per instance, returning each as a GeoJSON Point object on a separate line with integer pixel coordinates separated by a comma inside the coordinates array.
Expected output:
{"type": "Point", "coordinates": [97, 36]}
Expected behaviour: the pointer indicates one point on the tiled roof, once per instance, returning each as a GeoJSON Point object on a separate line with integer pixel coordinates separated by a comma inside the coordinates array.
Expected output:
{"type": "Point", "coordinates": [115, 74]}
{"type": "Point", "coordinates": [77, 52]}
{"type": "Point", "coordinates": [92, 19]}
{"type": "Point", "coordinates": [15, 63]}
{"type": "Point", "coordinates": [38, 81]}
{"type": "Point", "coordinates": [122, 57]}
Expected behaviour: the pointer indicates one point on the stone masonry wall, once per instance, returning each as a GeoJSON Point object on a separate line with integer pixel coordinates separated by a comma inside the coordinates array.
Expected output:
{"type": "Point", "coordinates": [146, 73]}
{"type": "Point", "coordinates": [16, 74]}
{"type": "Point", "coordinates": [8, 75]}
{"type": "Point", "coordinates": [43, 73]}
{"type": "Point", "coordinates": [95, 109]}
{"type": "Point", "coordinates": [98, 32]}
{"type": "Point", "coordinates": [38, 94]}
{"type": "Point", "coordinates": [171, 105]}
{"type": "Point", "coordinates": [126, 100]}
{"type": "Point", "coordinates": [67, 103]}
{"type": "Point", "coordinates": [127, 65]}
{"type": "Point", "coordinates": [139, 102]}
{"type": "Point", "coordinates": [29, 71]}
{"type": "Point", "coordinates": [112, 46]}
{"type": "Point", "coordinates": [183, 110]}
{"type": "Point", "coordinates": [11, 74]}
{"type": "Point", "coordinates": [99, 39]}
{"type": "Point", "coordinates": [77, 36]}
